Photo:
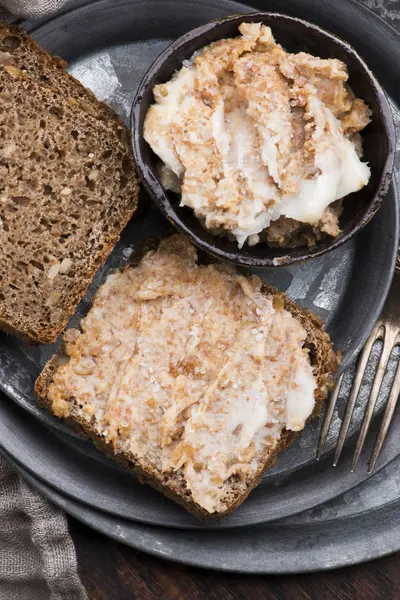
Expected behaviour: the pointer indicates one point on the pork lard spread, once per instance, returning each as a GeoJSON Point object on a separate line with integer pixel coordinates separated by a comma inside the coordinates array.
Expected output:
{"type": "Point", "coordinates": [191, 368]}
{"type": "Point", "coordinates": [250, 135]}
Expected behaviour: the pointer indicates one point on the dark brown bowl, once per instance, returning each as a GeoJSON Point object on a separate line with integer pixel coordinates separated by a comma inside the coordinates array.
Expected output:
{"type": "Point", "coordinates": [295, 35]}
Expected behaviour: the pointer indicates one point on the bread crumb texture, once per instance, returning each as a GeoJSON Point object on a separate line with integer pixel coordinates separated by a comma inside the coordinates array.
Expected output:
{"type": "Point", "coordinates": [68, 187]}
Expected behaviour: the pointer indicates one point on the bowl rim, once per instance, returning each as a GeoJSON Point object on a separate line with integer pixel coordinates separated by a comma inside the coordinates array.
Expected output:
{"type": "Point", "coordinates": [158, 195]}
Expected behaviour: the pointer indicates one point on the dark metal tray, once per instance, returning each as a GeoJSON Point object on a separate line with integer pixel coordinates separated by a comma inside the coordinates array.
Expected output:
{"type": "Point", "coordinates": [109, 44]}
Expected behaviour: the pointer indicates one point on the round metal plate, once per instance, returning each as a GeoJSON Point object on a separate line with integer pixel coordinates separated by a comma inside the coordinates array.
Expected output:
{"type": "Point", "coordinates": [357, 526]}
{"type": "Point", "coordinates": [109, 46]}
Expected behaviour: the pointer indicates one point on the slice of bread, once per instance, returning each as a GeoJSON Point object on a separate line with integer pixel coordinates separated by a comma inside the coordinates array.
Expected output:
{"type": "Point", "coordinates": [68, 187]}
{"type": "Point", "coordinates": [84, 418]}
{"type": "Point", "coordinates": [21, 51]}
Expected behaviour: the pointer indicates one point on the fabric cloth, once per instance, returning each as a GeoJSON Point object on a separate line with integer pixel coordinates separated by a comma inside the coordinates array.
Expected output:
{"type": "Point", "coordinates": [37, 555]}
{"type": "Point", "coordinates": [29, 9]}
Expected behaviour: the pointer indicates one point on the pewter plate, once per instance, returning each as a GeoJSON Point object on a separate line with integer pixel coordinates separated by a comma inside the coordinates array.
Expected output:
{"type": "Point", "coordinates": [312, 541]}
{"type": "Point", "coordinates": [109, 45]}
{"type": "Point", "coordinates": [280, 548]}
{"type": "Point", "coordinates": [357, 526]}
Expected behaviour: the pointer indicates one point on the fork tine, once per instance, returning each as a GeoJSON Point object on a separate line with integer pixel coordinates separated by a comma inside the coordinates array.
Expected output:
{"type": "Point", "coordinates": [388, 342]}
{"type": "Point", "coordinates": [386, 420]}
{"type": "Point", "coordinates": [328, 416]}
{"type": "Point", "coordinates": [362, 363]}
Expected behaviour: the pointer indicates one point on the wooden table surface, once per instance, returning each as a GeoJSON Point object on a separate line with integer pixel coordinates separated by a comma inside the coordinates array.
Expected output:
{"type": "Point", "coordinates": [111, 571]}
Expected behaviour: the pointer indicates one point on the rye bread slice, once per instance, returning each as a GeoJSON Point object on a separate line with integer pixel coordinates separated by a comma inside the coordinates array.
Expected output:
{"type": "Point", "coordinates": [21, 51]}
{"type": "Point", "coordinates": [322, 357]}
{"type": "Point", "coordinates": [68, 187]}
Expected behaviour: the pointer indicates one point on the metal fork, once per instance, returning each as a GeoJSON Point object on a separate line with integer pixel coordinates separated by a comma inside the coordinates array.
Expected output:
{"type": "Point", "coordinates": [387, 330]}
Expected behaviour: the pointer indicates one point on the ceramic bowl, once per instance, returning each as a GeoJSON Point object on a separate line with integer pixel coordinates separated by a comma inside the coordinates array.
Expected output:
{"type": "Point", "coordinates": [294, 35]}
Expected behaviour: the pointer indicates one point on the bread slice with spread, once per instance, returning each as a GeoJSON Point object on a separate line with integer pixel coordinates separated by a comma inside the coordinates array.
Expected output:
{"type": "Point", "coordinates": [192, 374]}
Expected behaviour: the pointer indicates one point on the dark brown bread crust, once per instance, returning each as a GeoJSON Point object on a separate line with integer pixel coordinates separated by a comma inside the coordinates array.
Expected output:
{"type": "Point", "coordinates": [87, 146]}
{"type": "Point", "coordinates": [322, 357]}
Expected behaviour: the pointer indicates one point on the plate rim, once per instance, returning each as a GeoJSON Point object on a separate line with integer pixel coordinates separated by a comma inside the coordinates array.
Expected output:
{"type": "Point", "coordinates": [114, 528]}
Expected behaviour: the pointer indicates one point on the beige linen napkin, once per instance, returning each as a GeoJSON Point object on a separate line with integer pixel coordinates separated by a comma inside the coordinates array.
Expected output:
{"type": "Point", "coordinates": [37, 555]}
{"type": "Point", "coordinates": [29, 9]}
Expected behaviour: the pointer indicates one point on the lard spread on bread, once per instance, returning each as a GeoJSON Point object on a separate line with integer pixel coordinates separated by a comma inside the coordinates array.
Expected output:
{"type": "Point", "coordinates": [189, 367]}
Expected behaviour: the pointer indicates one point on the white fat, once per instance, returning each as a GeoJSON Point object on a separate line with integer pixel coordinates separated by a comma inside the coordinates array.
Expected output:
{"type": "Point", "coordinates": [269, 156]}
{"type": "Point", "coordinates": [245, 195]}
{"type": "Point", "coordinates": [171, 99]}
{"type": "Point", "coordinates": [342, 173]}
{"type": "Point", "coordinates": [255, 404]}
{"type": "Point", "coordinates": [221, 137]}
{"type": "Point", "coordinates": [250, 224]}
{"type": "Point", "coordinates": [300, 400]}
